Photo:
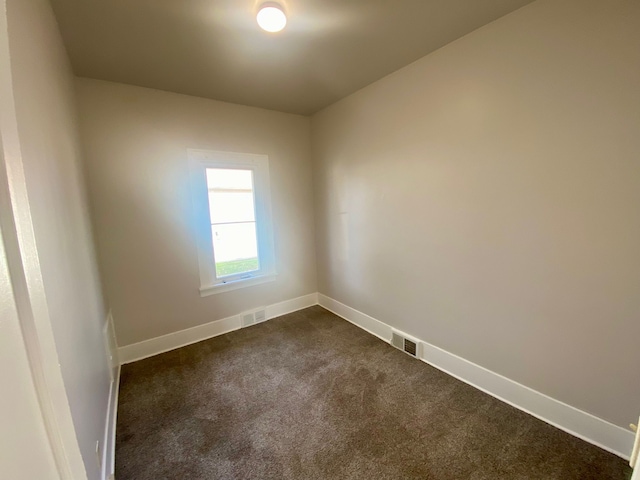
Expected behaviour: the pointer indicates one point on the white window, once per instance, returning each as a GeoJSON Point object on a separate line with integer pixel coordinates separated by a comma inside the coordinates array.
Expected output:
{"type": "Point", "coordinates": [232, 204]}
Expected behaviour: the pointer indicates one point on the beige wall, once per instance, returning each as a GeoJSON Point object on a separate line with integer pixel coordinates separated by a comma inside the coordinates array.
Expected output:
{"type": "Point", "coordinates": [49, 147]}
{"type": "Point", "coordinates": [486, 199]}
{"type": "Point", "coordinates": [136, 142]}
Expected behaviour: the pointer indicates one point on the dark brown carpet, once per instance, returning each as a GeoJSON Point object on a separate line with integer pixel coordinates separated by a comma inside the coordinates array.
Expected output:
{"type": "Point", "coordinates": [310, 396]}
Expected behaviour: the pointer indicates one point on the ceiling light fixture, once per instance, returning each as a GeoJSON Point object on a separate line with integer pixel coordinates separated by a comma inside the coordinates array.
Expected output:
{"type": "Point", "coordinates": [271, 17]}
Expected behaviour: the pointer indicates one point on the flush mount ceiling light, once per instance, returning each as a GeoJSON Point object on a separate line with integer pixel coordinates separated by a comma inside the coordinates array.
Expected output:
{"type": "Point", "coordinates": [271, 17]}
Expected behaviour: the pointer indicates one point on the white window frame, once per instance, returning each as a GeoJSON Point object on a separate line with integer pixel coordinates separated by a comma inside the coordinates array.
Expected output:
{"type": "Point", "coordinates": [199, 161]}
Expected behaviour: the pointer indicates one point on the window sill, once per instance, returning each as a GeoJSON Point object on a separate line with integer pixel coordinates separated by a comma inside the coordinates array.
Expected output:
{"type": "Point", "coordinates": [234, 285]}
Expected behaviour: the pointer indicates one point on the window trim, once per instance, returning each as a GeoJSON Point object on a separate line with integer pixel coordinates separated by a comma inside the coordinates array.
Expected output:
{"type": "Point", "coordinates": [199, 161]}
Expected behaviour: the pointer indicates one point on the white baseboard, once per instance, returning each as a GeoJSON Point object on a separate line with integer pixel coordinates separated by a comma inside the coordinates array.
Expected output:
{"type": "Point", "coordinates": [581, 424]}
{"type": "Point", "coordinates": [290, 306]}
{"type": "Point", "coordinates": [171, 341]}
{"type": "Point", "coordinates": [109, 442]}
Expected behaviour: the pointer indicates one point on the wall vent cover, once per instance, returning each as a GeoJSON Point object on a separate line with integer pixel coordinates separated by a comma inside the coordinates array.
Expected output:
{"type": "Point", "coordinates": [410, 347]}
{"type": "Point", "coordinates": [260, 316]}
{"type": "Point", "coordinates": [405, 344]}
{"type": "Point", "coordinates": [247, 319]}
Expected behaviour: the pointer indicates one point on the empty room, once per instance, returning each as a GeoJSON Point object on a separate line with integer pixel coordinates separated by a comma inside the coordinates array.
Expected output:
{"type": "Point", "coordinates": [320, 239]}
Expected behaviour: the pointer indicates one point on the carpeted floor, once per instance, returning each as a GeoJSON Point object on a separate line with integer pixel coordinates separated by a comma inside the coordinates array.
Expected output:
{"type": "Point", "coordinates": [310, 396]}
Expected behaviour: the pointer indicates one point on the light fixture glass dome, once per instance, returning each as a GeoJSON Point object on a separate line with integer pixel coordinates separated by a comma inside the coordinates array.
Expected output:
{"type": "Point", "coordinates": [271, 17]}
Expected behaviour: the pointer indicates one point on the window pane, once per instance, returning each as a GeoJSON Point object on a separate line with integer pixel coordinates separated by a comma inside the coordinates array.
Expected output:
{"type": "Point", "coordinates": [229, 178]}
{"type": "Point", "coordinates": [235, 248]}
{"type": "Point", "coordinates": [229, 206]}
{"type": "Point", "coordinates": [230, 195]}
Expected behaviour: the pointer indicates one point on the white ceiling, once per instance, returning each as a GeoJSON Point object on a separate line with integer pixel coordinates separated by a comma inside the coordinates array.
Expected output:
{"type": "Point", "coordinates": [214, 48]}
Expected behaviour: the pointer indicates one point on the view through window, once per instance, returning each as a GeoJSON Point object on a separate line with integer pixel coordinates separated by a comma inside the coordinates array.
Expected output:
{"type": "Point", "coordinates": [233, 220]}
